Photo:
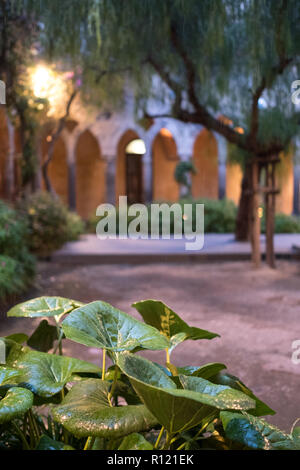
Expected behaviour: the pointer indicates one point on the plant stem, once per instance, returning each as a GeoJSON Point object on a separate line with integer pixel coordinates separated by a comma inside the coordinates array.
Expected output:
{"type": "Point", "coordinates": [110, 395]}
{"type": "Point", "coordinates": [35, 426]}
{"type": "Point", "coordinates": [167, 356]}
{"type": "Point", "coordinates": [168, 441]}
{"type": "Point", "coordinates": [89, 443]}
{"type": "Point", "coordinates": [22, 437]}
{"type": "Point", "coordinates": [159, 437]}
{"type": "Point", "coordinates": [181, 446]}
{"type": "Point", "coordinates": [103, 364]}
{"type": "Point", "coordinates": [25, 424]}
{"type": "Point", "coordinates": [33, 430]}
{"type": "Point", "coordinates": [59, 337]}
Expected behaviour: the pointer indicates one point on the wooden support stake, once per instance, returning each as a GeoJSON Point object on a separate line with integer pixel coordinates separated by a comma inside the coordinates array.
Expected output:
{"type": "Point", "coordinates": [270, 216]}
{"type": "Point", "coordinates": [255, 225]}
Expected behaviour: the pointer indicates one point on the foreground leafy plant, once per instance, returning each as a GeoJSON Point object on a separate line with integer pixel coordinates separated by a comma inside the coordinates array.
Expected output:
{"type": "Point", "coordinates": [135, 403]}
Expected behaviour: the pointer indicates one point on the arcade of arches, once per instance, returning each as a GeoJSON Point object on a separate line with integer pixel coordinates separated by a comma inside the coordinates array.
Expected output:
{"type": "Point", "coordinates": [80, 176]}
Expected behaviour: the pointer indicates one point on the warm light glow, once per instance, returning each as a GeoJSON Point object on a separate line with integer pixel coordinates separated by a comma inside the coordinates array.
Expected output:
{"type": "Point", "coordinates": [225, 120]}
{"type": "Point", "coordinates": [165, 132]}
{"type": "Point", "coordinates": [48, 84]}
{"type": "Point", "coordinates": [260, 212]}
{"type": "Point", "coordinates": [136, 147]}
{"type": "Point", "coordinates": [42, 80]}
{"type": "Point", "coordinates": [240, 130]}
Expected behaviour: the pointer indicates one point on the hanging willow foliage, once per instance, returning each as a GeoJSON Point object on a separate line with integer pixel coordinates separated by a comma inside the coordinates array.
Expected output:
{"type": "Point", "coordinates": [221, 56]}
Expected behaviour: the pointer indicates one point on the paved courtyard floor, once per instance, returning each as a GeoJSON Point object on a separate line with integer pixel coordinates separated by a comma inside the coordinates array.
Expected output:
{"type": "Point", "coordinates": [256, 312]}
{"type": "Point", "coordinates": [89, 249]}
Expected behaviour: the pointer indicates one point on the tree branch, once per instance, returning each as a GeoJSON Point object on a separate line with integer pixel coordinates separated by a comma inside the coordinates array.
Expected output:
{"type": "Point", "coordinates": [202, 116]}
{"type": "Point", "coordinates": [55, 136]}
{"type": "Point", "coordinates": [189, 67]}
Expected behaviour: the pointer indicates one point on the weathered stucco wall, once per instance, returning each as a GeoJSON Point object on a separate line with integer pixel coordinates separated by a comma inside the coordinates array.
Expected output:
{"type": "Point", "coordinates": [90, 175]}
{"type": "Point", "coordinates": [234, 176]}
{"type": "Point", "coordinates": [285, 182]}
{"type": "Point", "coordinates": [164, 162]}
{"type": "Point", "coordinates": [205, 183]}
{"type": "Point", "coordinates": [58, 169]}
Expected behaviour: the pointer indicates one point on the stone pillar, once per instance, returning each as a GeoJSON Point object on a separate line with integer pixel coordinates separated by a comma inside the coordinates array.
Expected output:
{"type": "Point", "coordinates": [72, 185]}
{"type": "Point", "coordinates": [222, 180]}
{"type": "Point", "coordinates": [297, 189]}
{"type": "Point", "coordinates": [71, 162]}
{"type": "Point", "coordinates": [110, 178]}
{"type": "Point", "coordinates": [147, 175]}
{"type": "Point", "coordinates": [222, 159]}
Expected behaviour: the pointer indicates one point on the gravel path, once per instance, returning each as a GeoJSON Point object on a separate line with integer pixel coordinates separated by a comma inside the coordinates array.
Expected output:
{"type": "Point", "coordinates": [255, 312]}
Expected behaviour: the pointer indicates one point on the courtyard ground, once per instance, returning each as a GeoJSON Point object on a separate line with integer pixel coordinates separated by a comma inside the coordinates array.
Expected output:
{"type": "Point", "coordinates": [256, 312]}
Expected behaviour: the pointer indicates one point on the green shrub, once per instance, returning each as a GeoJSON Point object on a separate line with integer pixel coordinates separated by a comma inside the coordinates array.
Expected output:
{"type": "Point", "coordinates": [17, 265]}
{"type": "Point", "coordinates": [50, 223]}
{"type": "Point", "coordinates": [287, 224]}
{"type": "Point", "coordinates": [219, 216]}
{"type": "Point", "coordinates": [135, 404]}
{"type": "Point", "coordinates": [75, 226]}
{"type": "Point", "coordinates": [12, 277]}
{"type": "Point", "coordinates": [283, 223]}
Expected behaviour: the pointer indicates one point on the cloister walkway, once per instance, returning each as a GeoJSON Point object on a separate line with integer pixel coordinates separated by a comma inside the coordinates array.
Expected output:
{"type": "Point", "coordinates": [217, 247]}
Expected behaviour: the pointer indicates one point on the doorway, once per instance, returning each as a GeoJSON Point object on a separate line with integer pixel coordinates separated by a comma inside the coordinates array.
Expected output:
{"type": "Point", "coordinates": [134, 171]}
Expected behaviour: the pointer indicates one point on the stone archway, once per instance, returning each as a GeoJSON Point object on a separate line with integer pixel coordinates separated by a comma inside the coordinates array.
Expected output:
{"type": "Point", "coordinates": [90, 175]}
{"type": "Point", "coordinates": [164, 162]}
{"type": "Point", "coordinates": [205, 183]}
{"type": "Point", "coordinates": [58, 169]}
{"type": "Point", "coordinates": [129, 169]}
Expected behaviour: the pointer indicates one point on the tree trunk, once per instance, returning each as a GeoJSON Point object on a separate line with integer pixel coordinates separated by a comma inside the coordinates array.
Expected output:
{"type": "Point", "coordinates": [46, 178]}
{"type": "Point", "coordinates": [242, 230]}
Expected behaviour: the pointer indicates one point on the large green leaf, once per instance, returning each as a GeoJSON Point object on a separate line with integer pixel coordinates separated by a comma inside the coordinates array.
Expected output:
{"type": "Point", "coordinates": [177, 409]}
{"type": "Point", "coordinates": [219, 396]}
{"type": "Point", "coordinates": [43, 338]}
{"type": "Point", "coordinates": [14, 352]}
{"type": "Point", "coordinates": [206, 371]}
{"type": "Point", "coordinates": [135, 441]}
{"type": "Point", "coordinates": [162, 317]}
{"type": "Point", "coordinates": [47, 374]}
{"type": "Point", "coordinates": [19, 338]}
{"type": "Point", "coordinates": [46, 443]}
{"type": "Point", "coordinates": [256, 433]}
{"type": "Point", "coordinates": [86, 411]}
{"type": "Point", "coordinates": [296, 434]}
{"type": "Point", "coordinates": [100, 325]}
{"type": "Point", "coordinates": [16, 402]}
{"type": "Point", "coordinates": [261, 408]}
{"type": "Point", "coordinates": [8, 376]}
{"type": "Point", "coordinates": [44, 307]}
